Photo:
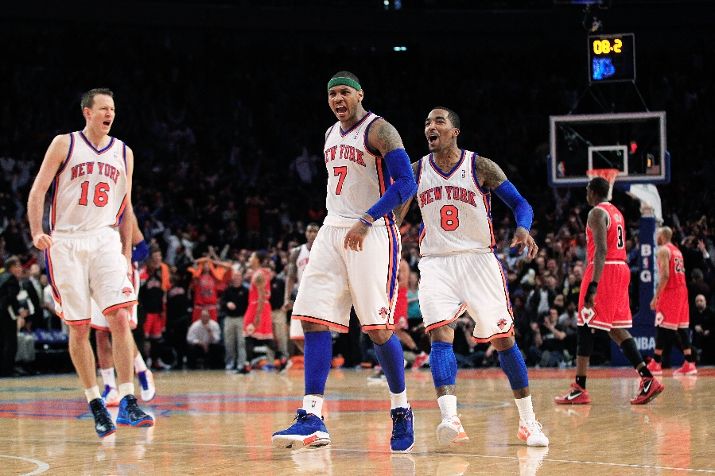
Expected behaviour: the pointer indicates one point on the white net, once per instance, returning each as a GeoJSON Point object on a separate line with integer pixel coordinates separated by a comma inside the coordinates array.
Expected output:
{"type": "Point", "coordinates": [608, 174]}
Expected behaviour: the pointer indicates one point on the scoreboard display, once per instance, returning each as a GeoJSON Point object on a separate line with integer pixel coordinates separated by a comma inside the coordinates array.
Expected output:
{"type": "Point", "coordinates": [611, 58]}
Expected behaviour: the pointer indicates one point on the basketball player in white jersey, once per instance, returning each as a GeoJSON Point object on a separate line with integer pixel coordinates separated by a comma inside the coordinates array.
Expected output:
{"type": "Point", "coordinates": [110, 394]}
{"type": "Point", "coordinates": [88, 249]}
{"type": "Point", "coordinates": [354, 259]}
{"type": "Point", "coordinates": [297, 262]}
{"type": "Point", "coordinates": [459, 270]}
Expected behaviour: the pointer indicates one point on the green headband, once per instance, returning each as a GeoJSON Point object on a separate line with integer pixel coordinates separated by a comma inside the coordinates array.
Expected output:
{"type": "Point", "coordinates": [344, 81]}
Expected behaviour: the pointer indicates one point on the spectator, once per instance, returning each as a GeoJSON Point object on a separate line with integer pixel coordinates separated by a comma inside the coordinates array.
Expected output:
{"type": "Point", "coordinates": [234, 303]}
{"type": "Point", "coordinates": [12, 314]}
{"type": "Point", "coordinates": [178, 312]}
{"type": "Point", "coordinates": [207, 284]}
{"type": "Point", "coordinates": [204, 339]}
{"type": "Point", "coordinates": [553, 340]}
{"type": "Point", "coordinates": [155, 279]}
{"type": "Point", "coordinates": [702, 324]}
{"type": "Point", "coordinates": [35, 293]}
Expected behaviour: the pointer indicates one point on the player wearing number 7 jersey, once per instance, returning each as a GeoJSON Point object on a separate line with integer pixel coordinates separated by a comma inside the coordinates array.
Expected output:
{"type": "Point", "coordinates": [354, 259]}
{"type": "Point", "coordinates": [603, 303]}
{"type": "Point", "coordinates": [459, 270]}
{"type": "Point", "coordinates": [88, 250]}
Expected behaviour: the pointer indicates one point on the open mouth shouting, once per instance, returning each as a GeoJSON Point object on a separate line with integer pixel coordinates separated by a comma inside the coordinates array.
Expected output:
{"type": "Point", "coordinates": [341, 111]}
{"type": "Point", "coordinates": [432, 138]}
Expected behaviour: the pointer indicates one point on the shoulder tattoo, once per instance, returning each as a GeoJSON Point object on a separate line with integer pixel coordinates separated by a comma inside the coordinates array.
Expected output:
{"type": "Point", "coordinates": [386, 138]}
{"type": "Point", "coordinates": [489, 173]}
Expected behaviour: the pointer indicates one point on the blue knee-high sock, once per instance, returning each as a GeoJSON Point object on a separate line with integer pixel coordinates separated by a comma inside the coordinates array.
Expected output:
{"type": "Point", "coordinates": [318, 354]}
{"type": "Point", "coordinates": [513, 365]}
{"type": "Point", "coordinates": [443, 364]}
{"type": "Point", "coordinates": [392, 361]}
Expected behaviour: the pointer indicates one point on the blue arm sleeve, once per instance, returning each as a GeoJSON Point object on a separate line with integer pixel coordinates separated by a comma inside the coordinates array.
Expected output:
{"type": "Point", "coordinates": [402, 187]}
{"type": "Point", "coordinates": [519, 206]}
{"type": "Point", "coordinates": [140, 252]}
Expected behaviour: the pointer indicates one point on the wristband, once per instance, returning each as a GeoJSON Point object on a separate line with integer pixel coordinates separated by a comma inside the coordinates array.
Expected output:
{"type": "Point", "coordinates": [364, 221]}
{"type": "Point", "coordinates": [592, 287]}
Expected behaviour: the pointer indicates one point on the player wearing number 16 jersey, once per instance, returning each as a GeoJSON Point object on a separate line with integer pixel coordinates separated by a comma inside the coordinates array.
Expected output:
{"type": "Point", "coordinates": [459, 270]}
{"type": "Point", "coordinates": [603, 303]}
{"type": "Point", "coordinates": [88, 250]}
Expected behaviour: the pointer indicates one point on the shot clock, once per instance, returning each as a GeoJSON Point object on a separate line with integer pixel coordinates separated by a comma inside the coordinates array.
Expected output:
{"type": "Point", "coordinates": [611, 58]}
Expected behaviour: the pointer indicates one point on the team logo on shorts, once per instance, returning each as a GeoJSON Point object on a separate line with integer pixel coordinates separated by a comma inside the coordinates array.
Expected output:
{"type": "Point", "coordinates": [384, 312]}
{"type": "Point", "coordinates": [127, 291]}
{"type": "Point", "coordinates": [587, 314]}
{"type": "Point", "coordinates": [501, 323]}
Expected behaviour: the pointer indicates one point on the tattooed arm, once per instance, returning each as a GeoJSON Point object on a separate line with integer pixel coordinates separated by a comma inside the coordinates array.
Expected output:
{"type": "Point", "coordinates": [384, 138]}
{"type": "Point", "coordinates": [401, 210]}
{"type": "Point", "coordinates": [491, 176]}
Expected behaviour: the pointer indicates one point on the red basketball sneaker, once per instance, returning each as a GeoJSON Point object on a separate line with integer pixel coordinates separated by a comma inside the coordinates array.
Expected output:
{"type": "Point", "coordinates": [576, 396]}
{"type": "Point", "coordinates": [649, 389]}
{"type": "Point", "coordinates": [688, 368]}
{"type": "Point", "coordinates": [655, 367]}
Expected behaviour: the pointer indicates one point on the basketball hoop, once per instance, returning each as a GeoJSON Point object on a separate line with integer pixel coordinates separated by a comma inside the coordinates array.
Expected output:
{"type": "Point", "coordinates": [608, 174]}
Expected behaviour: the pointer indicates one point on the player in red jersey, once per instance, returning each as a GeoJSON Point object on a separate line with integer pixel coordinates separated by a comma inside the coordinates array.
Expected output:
{"type": "Point", "coordinates": [670, 303]}
{"type": "Point", "coordinates": [603, 303]}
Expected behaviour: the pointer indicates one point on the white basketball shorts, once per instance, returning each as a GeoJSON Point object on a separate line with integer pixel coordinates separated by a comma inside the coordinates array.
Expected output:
{"type": "Point", "coordinates": [337, 278]}
{"type": "Point", "coordinates": [88, 265]}
{"type": "Point", "coordinates": [474, 282]}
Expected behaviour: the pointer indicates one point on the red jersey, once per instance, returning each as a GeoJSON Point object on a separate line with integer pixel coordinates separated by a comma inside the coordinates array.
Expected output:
{"type": "Point", "coordinates": [264, 329]}
{"type": "Point", "coordinates": [615, 235]}
{"type": "Point", "coordinates": [205, 291]}
{"type": "Point", "coordinates": [676, 278]}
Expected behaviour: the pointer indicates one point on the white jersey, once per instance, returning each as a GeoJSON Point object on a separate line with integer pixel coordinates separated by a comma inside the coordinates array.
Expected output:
{"type": "Point", "coordinates": [90, 189]}
{"type": "Point", "coordinates": [357, 178]}
{"type": "Point", "coordinates": [301, 262]}
{"type": "Point", "coordinates": [456, 211]}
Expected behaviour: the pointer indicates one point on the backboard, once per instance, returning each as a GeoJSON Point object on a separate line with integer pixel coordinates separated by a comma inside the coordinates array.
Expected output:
{"type": "Point", "coordinates": [634, 143]}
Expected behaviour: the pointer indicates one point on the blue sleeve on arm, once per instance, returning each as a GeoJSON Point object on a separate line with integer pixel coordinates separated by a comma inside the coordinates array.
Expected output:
{"type": "Point", "coordinates": [519, 206]}
{"type": "Point", "coordinates": [140, 252]}
{"type": "Point", "coordinates": [403, 185]}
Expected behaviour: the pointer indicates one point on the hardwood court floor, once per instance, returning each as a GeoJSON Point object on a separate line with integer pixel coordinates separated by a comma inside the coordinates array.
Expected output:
{"type": "Point", "coordinates": [213, 423]}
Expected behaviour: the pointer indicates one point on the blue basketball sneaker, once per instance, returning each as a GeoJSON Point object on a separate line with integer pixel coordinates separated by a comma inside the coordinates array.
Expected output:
{"type": "Point", "coordinates": [103, 424]}
{"type": "Point", "coordinates": [131, 414]}
{"type": "Point", "coordinates": [403, 430]}
{"type": "Point", "coordinates": [308, 430]}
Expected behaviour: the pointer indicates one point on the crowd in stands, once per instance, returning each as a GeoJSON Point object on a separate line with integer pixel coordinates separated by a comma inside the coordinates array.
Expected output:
{"type": "Point", "coordinates": [228, 161]}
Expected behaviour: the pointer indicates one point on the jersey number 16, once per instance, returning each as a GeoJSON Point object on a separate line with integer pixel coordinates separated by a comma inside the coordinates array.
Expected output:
{"type": "Point", "coordinates": [100, 197]}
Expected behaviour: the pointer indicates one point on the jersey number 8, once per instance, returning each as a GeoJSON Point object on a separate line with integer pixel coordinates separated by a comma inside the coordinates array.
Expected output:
{"type": "Point", "coordinates": [449, 217]}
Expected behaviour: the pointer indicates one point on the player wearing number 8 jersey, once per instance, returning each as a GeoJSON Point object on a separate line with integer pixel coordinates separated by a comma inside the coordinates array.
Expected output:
{"type": "Point", "coordinates": [354, 259]}
{"type": "Point", "coordinates": [88, 251]}
{"type": "Point", "coordinates": [459, 270]}
{"type": "Point", "coordinates": [603, 303]}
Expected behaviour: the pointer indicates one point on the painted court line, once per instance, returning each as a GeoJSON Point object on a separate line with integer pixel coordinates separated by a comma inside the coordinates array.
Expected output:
{"type": "Point", "coordinates": [430, 454]}
{"type": "Point", "coordinates": [41, 465]}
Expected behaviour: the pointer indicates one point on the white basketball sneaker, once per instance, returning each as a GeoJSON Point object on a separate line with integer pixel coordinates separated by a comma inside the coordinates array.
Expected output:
{"type": "Point", "coordinates": [146, 381]}
{"type": "Point", "coordinates": [110, 395]}
{"type": "Point", "coordinates": [532, 433]}
{"type": "Point", "coordinates": [451, 431]}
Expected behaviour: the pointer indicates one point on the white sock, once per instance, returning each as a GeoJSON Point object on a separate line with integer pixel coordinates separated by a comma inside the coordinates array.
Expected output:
{"type": "Point", "coordinates": [92, 393]}
{"type": "Point", "coordinates": [139, 364]}
{"type": "Point", "coordinates": [399, 400]}
{"type": "Point", "coordinates": [108, 377]}
{"type": "Point", "coordinates": [447, 406]}
{"type": "Point", "coordinates": [126, 389]}
{"type": "Point", "coordinates": [526, 409]}
{"type": "Point", "coordinates": [313, 404]}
